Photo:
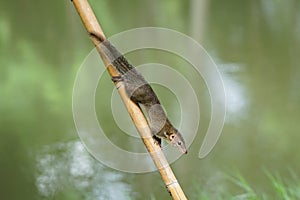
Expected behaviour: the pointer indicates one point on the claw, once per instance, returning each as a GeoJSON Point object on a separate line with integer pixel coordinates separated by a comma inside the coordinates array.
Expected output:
{"type": "Point", "coordinates": [117, 78]}
{"type": "Point", "coordinates": [157, 140]}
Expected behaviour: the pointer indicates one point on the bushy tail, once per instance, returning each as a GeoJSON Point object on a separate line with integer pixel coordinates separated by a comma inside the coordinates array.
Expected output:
{"type": "Point", "coordinates": [113, 55]}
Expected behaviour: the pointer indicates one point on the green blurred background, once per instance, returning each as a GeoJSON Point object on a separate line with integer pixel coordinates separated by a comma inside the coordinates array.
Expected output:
{"type": "Point", "coordinates": [256, 46]}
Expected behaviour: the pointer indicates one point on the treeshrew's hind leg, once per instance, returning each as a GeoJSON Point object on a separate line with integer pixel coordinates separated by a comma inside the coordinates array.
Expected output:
{"type": "Point", "coordinates": [116, 78]}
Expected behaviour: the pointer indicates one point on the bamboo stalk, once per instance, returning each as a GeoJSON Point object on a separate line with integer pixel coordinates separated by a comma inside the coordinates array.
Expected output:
{"type": "Point", "coordinates": [92, 26]}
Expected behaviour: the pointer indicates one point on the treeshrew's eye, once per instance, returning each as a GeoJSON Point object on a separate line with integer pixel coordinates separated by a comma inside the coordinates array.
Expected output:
{"type": "Point", "coordinates": [172, 136]}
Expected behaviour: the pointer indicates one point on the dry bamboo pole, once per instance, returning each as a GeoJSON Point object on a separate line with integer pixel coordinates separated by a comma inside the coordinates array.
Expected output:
{"type": "Point", "coordinates": [92, 26]}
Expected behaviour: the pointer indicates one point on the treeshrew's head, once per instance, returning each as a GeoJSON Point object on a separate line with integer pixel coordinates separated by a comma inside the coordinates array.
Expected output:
{"type": "Point", "coordinates": [177, 141]}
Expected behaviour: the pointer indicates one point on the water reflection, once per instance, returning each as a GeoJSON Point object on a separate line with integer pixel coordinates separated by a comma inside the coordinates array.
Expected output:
{"type": "Point", "coordinates": [67, 165]}
{"type": "Point", "coordinates": [236, 100]}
